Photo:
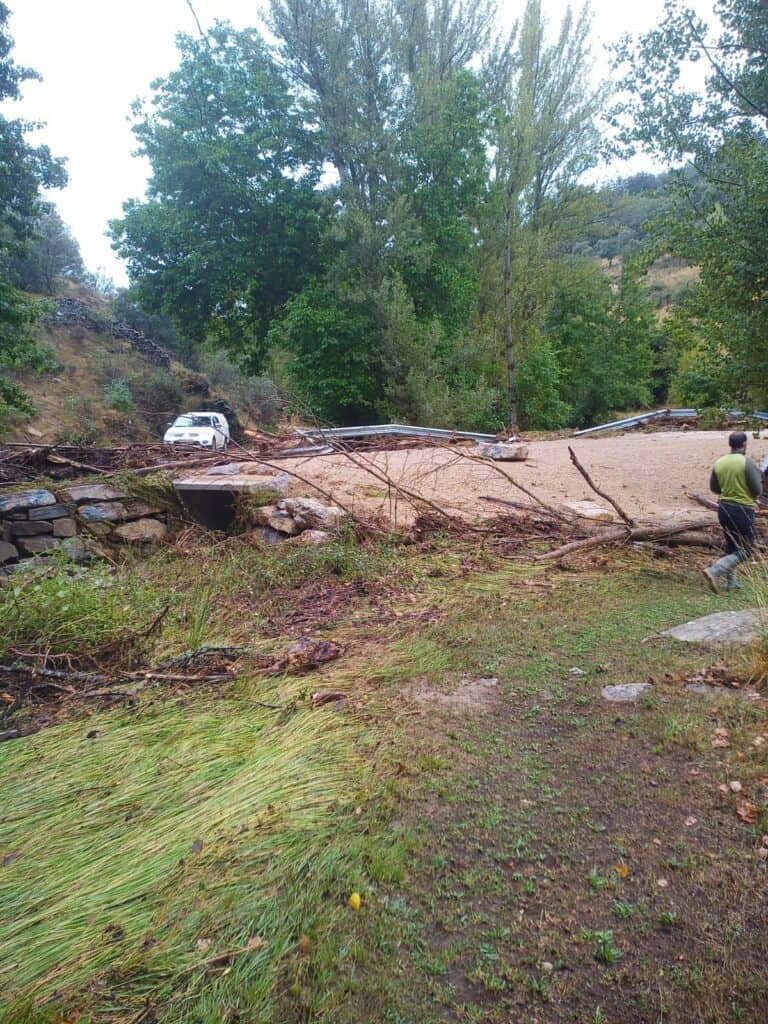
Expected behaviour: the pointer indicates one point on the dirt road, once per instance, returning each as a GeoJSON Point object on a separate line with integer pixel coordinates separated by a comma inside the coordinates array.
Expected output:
{"type": "Point", "coordinates": [646, 473]}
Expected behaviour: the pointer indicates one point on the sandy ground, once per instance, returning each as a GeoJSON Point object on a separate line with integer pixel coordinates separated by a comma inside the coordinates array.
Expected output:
{"type": "Point", "coordinates": [646, 473]}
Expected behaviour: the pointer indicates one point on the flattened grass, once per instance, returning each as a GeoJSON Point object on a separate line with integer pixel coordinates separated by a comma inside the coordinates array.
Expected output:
{"type": "Point", "coordinates": [173, 860]}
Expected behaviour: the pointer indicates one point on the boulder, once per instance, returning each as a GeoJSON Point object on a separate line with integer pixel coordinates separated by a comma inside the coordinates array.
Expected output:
{"type": "Point", "coordinates": [79, 549]}
{"type": "Point", "coordinates": [89, 493]}
{"type": "Point", "coordinates": [590, 510]}
{"type": "Point", "coordinates": [23, 500]}
{"type": "Point", "coordinates": [283, 522]}
{"type": "Point", "coordinates": [502, 452]}
{"type": "Point", "coordinates": [37, 545]}
{"type": "Point", "coordinates": [141, 531]}
{"type": "Point", "coordinates": [732, 627]}
{"type": "Point", "coordinates": [311, 514]}
{"type": "Point", "coordinates": [64, 528]}
{"type": "Point", "coordinates": [8, 552]}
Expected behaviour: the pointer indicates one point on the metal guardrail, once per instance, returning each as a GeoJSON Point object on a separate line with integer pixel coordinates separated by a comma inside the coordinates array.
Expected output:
{"type": "Point", "coordinates": [674, 414]}
{"type": "Point", "coordinates": [394, 429]}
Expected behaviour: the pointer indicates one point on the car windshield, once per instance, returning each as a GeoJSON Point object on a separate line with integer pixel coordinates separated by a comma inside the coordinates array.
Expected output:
{"type": "Point", "coordinates": [193, 421]}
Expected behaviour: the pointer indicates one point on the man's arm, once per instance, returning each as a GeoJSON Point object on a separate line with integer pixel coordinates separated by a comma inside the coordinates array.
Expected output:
{"type": "Point", "coordinates": [754, 479]}
{"type": "Point", "coordinates": [714, 483]}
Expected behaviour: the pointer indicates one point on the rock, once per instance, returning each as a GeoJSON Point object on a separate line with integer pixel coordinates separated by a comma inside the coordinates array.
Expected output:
{"type": "Point", "coordinates": [64, 528]}
{"type": "Point", "coordinates": [78, 549]}
{"type": "Point", "coordinates": [48, 512]}
{"type": "Point", "coordinates": [25, 500]}
{"type": "Point", "coordinates": [37, 545]}
{"type": "Point", "coordinates": [29, 529]}
{"type": "Point", "coordinates": [228, 469]}
{"type": "Point", "coordinates": [99, 529]}
{"type": "Point", "coordinates": [32, 432]}
{"type": "Point", "coordinates": [7, 552]}
{"type": "Point", "coordinates": [626, 692]}
{"type": "Point", "coordinates": [310, 513]}
{"type": "Point", "coordinates": [501, 452]}
{"type": "Point", "coordinates": [312, 538]}
{"type": "Point", "coordinates": [280, 520]}
{"type": "Point", "coordinates": [268, 535]}
{"type": "Point", "coordinates": [720, 628]}
{"type": "Point", "coordinates": [107, 511]}
{"type": "Point", "coordinates": [590, 510]}
{"type": "Point", "coordinates": [576, 671]}
{"type": "Point", "coordinates": [89, 493]}
{"type": "Point", "coordinates": [141, 531]}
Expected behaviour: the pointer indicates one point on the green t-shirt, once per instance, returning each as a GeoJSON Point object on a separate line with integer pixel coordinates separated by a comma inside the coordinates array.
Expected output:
{"type": "Point", "coordinates": [737, 478]}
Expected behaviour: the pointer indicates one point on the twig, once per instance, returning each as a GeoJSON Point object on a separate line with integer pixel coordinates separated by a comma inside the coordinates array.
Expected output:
{"type": "Point", "coordinates": [606, 497]}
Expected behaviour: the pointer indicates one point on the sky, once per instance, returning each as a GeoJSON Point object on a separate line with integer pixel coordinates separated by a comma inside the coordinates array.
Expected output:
{"type": "Point", "coordinates": [97, 56]}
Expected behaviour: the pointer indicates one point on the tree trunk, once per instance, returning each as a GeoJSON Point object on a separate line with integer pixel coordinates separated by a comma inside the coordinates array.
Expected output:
{"type": "Point", "coordinates": [509, 340]}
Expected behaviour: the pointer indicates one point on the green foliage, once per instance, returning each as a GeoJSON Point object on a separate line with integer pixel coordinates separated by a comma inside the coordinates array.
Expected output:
{"type": "Point", "coordinates": [231, 221]}
{"type": "Point", "coordinates": [65, 610]}
{"type": "Point", "coordinates": [723, 228]}
{"type": "Point", "coordinates": [539, 380]}
{"type": "Point", "coordinates": [118, 394]}
{"type": "Point", "coordinates": [50, 254]}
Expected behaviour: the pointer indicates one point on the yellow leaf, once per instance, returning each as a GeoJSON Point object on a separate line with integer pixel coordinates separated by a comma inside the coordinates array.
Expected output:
{"type": "Point", "coordinates": [355, 901]}
{"type": "Point", "coordinates": [621, 870]}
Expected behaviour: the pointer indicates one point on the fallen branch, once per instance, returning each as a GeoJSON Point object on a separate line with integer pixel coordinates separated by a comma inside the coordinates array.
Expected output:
{"type": "Point", "coordinates": [670, 534]}
{"type": "Point", "coordinates": [606, 497]}
{"type": "Point", "coordinates": [701, 499]}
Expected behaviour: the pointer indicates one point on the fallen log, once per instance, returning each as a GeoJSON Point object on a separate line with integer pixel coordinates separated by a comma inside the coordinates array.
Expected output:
{"type": "Point", "coordinates": [668, 533]}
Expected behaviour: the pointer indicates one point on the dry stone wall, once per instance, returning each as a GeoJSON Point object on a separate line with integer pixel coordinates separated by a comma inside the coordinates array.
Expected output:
{"type": "Point", "coordinates": [82, 522]}
{"type": "Point", "coordinates": [73, 313]}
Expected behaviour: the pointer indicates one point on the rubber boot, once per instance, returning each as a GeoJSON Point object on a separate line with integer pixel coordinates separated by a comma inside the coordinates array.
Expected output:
{"type": "Point", "coordinates": [720, 570]}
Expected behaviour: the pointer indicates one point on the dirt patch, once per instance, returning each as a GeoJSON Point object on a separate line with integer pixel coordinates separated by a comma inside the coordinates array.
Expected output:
{"type": "Point", "coordinates": [470, 695]}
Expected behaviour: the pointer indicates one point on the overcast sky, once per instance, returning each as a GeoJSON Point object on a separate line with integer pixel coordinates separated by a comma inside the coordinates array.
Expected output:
{"type": "Point", "coordinates": [97, 56]}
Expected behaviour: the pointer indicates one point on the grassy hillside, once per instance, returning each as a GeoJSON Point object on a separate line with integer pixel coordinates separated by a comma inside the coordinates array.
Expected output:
{"type": "Point", "coordinates": [100, 387]}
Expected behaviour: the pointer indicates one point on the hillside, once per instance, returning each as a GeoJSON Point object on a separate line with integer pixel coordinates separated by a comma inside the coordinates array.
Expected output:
{"type": "Point", "coordinates": [103, 381]}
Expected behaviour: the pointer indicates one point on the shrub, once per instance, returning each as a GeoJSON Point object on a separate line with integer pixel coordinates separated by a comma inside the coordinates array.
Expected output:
{"type": "Point", "coordinates": [118, 395]}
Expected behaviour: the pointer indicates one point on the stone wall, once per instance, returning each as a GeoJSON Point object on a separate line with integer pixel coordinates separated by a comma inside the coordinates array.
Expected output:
{"type": "Point", "coordinates": [81, 521]}
{"type": "Point", "coordinates": [73, 313]}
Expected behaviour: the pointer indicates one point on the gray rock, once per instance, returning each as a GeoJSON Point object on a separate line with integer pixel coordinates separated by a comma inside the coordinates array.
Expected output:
{"type": "Point", "coordinates": [37, 545]}
{"type": "Point", "coordinates": [64, 528]}
{"type": "Point", "coordinates": [25, 500]}
{"type": "Point", "coordinates": [30, 529]}
{"type": "Point", "coordinates": [7, 552]}
{"type": "Point", "coordinates": [280, 520]}
{"type": "Point", "coordinates": [311, 514]}
{"type": "Point", "coordinates": [626, 692]}
{"type": "Point", "coordinates": [268, 535]}
{"type": "Point", "coordinates": [48, 512]}
{"type": "Point", "coordinates": [501, 452]}
{"type": "Point", "coordinates": [89, 493]}
{"type": "Point", "coordinates": [141, 531]}
{"type": "Point", "coordinates": [78, 549]}
{"type": "Point", "coordinates": [730, 627]}
{"type": "Point", "coordinates": [107, 511]}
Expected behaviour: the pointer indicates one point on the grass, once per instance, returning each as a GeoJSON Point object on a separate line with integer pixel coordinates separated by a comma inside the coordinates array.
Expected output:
{"type": "Point", "coordinates": [178, 857]}
{"type": "Point", "coordinates": [197, 854]}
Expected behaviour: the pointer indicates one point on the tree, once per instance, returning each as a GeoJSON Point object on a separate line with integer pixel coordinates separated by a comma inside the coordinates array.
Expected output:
{"type": "Point", "coordinates": [545, 138]}
{"type": "Point", "coordinates": [229, 230]}
{"type": "Point", "coordinates": [50, 253]}
{"type": "Point", "coordinates": [721, 131]}
{"type": "Point", "coordinates": [24, 170]}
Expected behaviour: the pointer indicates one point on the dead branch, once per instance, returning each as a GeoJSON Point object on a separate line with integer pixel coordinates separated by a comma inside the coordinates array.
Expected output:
{"type": "Point", "coordinates": [606, 497]}
{"type": "Point", "coordinates": [701, 499]}
{"type": "Point", "coordinates": [668, 533]}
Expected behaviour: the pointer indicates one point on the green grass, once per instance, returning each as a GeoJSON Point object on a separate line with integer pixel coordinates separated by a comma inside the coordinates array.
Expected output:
{"type": "Point", "coordinates": [179, 856]}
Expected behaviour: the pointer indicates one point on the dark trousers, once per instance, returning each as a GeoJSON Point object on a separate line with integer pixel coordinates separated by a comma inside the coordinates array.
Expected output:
{"type": "Point", "coordinates": [738, 523]}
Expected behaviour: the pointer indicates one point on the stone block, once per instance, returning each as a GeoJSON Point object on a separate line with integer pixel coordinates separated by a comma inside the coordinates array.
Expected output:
{"type": "Point", "coordinates": [8, 552]}
{"type": "Point", "coordinates": [49, 512]}
{"type": "Point", "coordinates": [29, 529]}
{"type": "Point", "coordinates": [37, 545]}
{"type": "Point", "coordinates": [311, 514]}
{"type": "Point", "coordinates": [107, 511]}
{"type": "Point", "coordinates": [590, 510]}
{"type": "Point", "coordinates": [64, 528]}
{"type": "Point", "coordinates": [312, 538]}
{"type": "Point", "coordinates": [501, 452]}
{"type": "Point", "coordinates": [22, 500]}
{"type": "Point", "coordinates": [141, 531]}
{"type": "Point", "coordinates": [89, 493]}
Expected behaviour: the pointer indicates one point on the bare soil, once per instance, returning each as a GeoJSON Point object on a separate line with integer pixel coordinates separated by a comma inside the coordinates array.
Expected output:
{"type": "Point", "coordinates": [648, 474]}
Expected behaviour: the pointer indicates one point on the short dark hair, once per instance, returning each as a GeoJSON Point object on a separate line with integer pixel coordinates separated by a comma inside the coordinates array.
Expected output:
{"type": "Point", "coordinates": [737, 439]}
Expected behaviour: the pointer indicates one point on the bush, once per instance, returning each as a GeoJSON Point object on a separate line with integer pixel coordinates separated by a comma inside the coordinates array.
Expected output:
{"type": "Point", "coordinates": [118, 395]}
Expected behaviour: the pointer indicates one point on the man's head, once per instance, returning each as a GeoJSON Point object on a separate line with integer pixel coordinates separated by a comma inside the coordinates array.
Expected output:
{"type": "Point", "coordinates": [738, 441]}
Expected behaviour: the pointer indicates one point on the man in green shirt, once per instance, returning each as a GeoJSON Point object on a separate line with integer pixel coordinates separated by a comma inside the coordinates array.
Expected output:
{"type": "Point", "coordinates": [739, 483]}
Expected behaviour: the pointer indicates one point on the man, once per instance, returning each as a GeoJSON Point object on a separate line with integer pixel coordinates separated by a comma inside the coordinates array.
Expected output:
{"type": "Point", "coordinates": [738, 482]}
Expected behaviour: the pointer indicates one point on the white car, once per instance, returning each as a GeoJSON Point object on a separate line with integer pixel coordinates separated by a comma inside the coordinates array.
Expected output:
{"type": "Point", "coordinates": [207, 429]}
